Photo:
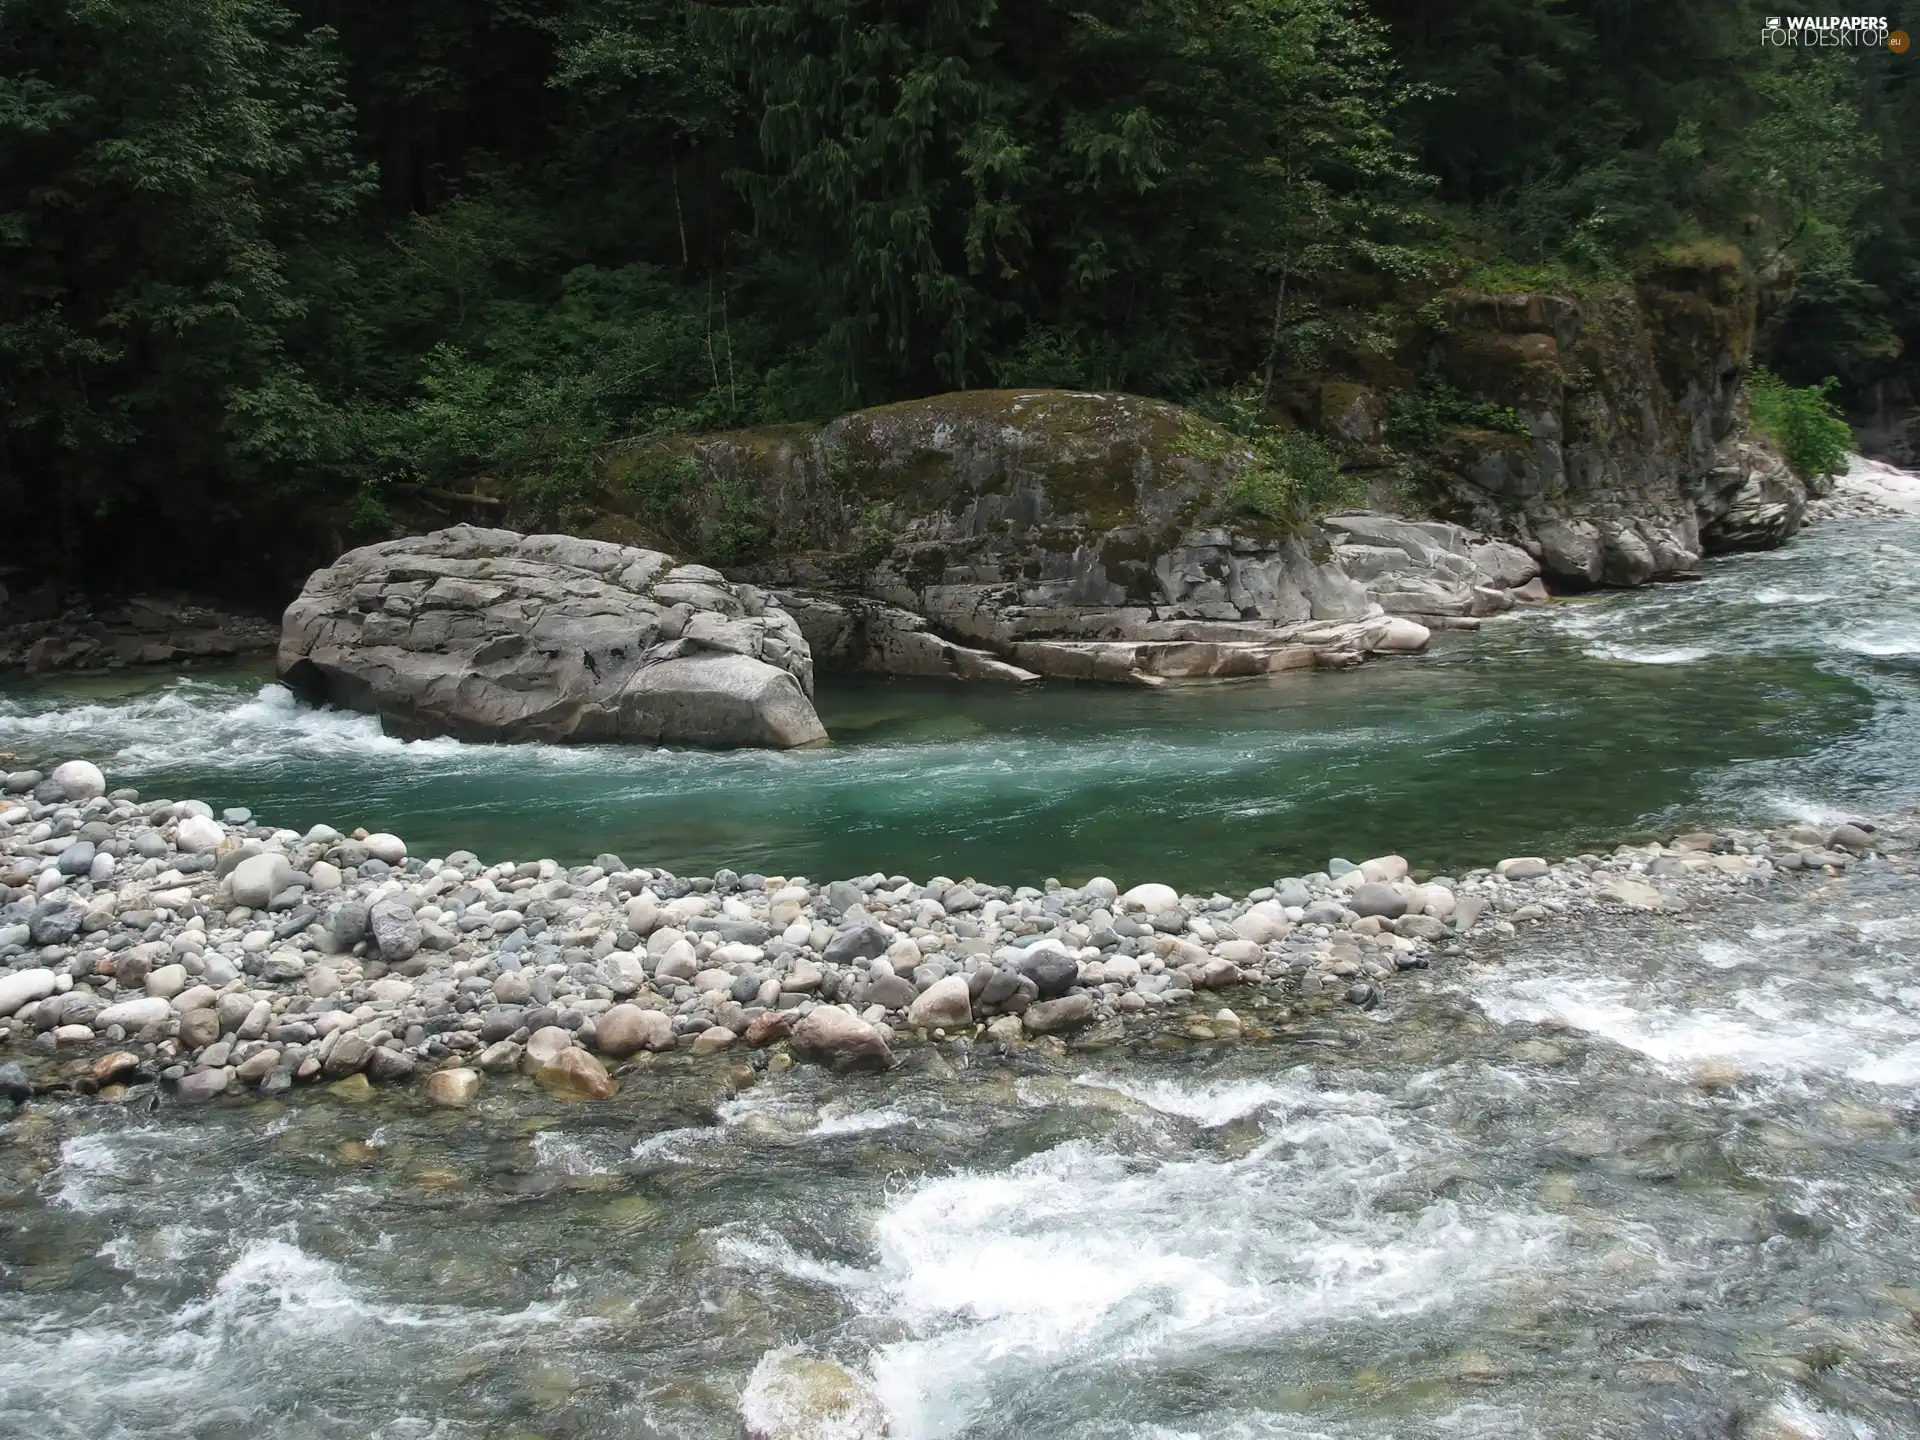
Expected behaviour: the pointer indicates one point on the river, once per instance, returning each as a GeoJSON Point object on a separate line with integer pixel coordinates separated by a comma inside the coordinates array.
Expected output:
{"type": "Point", "coordinates": [1647, 1177]}
{"type": "Point", "coordinates": [1783, 684]}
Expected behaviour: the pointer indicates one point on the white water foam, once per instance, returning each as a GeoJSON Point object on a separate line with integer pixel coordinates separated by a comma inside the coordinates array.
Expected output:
{"type": "Point", "coordinates": [1085, 1253]}
{"type": "Point", "coordinates": [1649, 654]}
{"type": "Point", "coordinates": [1885, 643]}
{"type": "Point", "coordinates": [1772, 595]}
{"type": "Point", "coordinates": [1777, 1025]}
{"type": "Point", "coordinates": [1886, 484]}
{"type": "Point", "coordinates": [275, 1322]}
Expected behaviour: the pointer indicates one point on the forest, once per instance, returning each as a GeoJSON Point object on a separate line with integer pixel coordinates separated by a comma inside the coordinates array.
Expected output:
{"type": "Point", "coordinates": [269, 263]}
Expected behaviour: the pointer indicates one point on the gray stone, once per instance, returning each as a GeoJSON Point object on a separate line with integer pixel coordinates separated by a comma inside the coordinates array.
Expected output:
{"type": "Point", "coordinates": [349, 1056]}
{"type": "Point", "coordinates": [76, 859]}
{"type": "Point", "coordinates": [54, 924]}
{"type": "Point", "coordinates": [862, 940]}
{"type": "Point", "coordinates": [258, 878]}
{"type": "Point", "coordinates": [394, 930]}
{"type": "Point", "coordinates": [1052, 972]}
{"type": "Point", "coordinates": [492, 635]}
{"type": "Point", "coordinates": [1379, 899]}
{"type": "Point", "coordinates": [1049, 1017]}
{"type": "Point", "coordinates": [347, 924]}
{"type": "Point", "coordinates": [1851, 837]}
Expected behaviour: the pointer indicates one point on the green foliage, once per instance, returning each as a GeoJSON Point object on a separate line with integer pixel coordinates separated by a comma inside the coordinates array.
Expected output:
{"type": "Point", "coordinates": [1061, 193]}
{"type": "Point", "coordinates": [1810, 431]}
{"type": "Point", "coordinates": [168, 163]}
{"type": "Point", "coordinates": [1422, 417]}
{"type": "Point", "coordinates": [1294, 475]}
{"type": "Point", "coordinates": [712, 516]}
{"type": "Point", "coordinates": [283, 269]}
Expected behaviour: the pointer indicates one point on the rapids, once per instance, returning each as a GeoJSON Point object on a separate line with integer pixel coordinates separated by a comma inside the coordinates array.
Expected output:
{"type": "Point", "coordinates": [1650, 1176]}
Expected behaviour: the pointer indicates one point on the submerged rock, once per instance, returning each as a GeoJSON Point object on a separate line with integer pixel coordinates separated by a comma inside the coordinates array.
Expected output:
{"type": "Point", "coordinates": [795, 1396]}
{"type": "Point", "coordinates": [492, 635]}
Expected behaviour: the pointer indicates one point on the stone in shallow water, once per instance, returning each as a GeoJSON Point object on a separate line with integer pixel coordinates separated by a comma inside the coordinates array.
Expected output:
{"type": "Point", "coordinates": [794, 1396]}
{"type": "Point", "coordinates": [573, 1074]}
{"type": "Point", "coordinates": [1050, 1017]}
{"type": "Point", "coordinates": [625, 1029]}
{"type": "Point", "coordinates": [838, 1037]}
{"type": "Point", "coordinates": [454, 1089]}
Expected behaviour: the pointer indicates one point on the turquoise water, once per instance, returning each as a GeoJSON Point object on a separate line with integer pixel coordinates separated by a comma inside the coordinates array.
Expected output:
{"type": "Point", "coordinates": [1783, 684]}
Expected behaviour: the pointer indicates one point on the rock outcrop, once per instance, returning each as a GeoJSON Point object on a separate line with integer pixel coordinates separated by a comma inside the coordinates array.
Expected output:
{"type": "Point", "coordinates": [1009, 534]}
{"type": "Point", "coordinates": [45, 630]}
{"type": "Point", "coordinates": [1635, 463]}
{"type": "Point", "coordinates": [491, 635]}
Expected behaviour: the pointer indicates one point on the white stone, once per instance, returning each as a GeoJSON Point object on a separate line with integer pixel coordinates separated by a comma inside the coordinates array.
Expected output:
{"type": "Point", "coordinates": [198, 835]}
{"type": "Point", "coordinates": [133, 1015]}
{"type": "Point", "coordinates": [167, 982]}
{"type": "Point", "coordinates": [1385, 869]}
{"type": "Point", "coordinates": [945, 1004]}
{"type": "Point", "coordinates": [22, 986]}
{"type": "Point", "coordinates": [1150, 898]}
{"type": "Point", "coordinates": [1263, 922]}
{"type": "Point", "coordinates": [325, 876]}
{"type": "Point", "coordinates": [259, 878]}
{"type": "Point", "coordinates": [81, 779]}
{"type": "Point", "coordinates": [390, 848]}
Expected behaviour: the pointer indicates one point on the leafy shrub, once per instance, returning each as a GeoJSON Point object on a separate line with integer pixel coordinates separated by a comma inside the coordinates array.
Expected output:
{"type": "Point", "coordinates": [1421, 417]}
{"type": "Point", "coordinates": [1295, 475]}
{"type": "Point", "coordinates": [1807, 426]}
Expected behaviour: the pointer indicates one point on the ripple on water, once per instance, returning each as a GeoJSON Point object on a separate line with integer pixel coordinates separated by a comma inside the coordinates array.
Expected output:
{"type": "Point", "coordinates": [1093, 1255]}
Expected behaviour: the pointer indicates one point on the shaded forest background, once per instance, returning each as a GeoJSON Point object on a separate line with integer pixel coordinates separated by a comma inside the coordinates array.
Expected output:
{"type": "Point", "coordinates": [268, 269]}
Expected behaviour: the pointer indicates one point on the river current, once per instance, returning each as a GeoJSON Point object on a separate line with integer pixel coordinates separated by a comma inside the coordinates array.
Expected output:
{"type": "Point", "coordinates": [1783, 684]}
{"type": "Point", "coordinates": [1649, 1177]}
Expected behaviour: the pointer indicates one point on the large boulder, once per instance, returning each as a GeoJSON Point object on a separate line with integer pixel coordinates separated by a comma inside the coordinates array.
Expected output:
{"type": "Point", "coordinates": [491, 635]}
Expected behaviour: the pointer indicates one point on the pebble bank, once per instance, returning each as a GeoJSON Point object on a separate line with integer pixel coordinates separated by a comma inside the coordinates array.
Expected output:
{"type": "Point", "coordinates": [161, 947]}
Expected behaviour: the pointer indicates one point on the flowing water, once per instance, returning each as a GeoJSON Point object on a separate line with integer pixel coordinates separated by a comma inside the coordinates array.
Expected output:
{"type": "Point", "coordinates": [1659, 1184]}
{"type": "Point", "coordinates": [1783, 684]}
{"type": "Point", "coordinates": [1651, 1177]}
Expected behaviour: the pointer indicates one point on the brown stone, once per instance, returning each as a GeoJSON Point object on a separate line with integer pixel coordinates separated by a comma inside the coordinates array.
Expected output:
{"type": "Point", "coordinates": [573, 1074]}
{"type": "Point", "coordinates": [768, 1027]}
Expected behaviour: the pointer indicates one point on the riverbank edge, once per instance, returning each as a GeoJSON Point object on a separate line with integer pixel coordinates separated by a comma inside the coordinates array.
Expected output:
{"type": "Point", "coordinates": [148, 947]}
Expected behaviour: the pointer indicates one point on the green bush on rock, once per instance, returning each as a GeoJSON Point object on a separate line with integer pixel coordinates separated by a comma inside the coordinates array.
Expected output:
{"type": "Point", "coordinates": [1806, 425]}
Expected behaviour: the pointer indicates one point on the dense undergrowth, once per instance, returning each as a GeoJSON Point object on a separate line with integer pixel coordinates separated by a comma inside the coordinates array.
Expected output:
{"type": "Point", "coordinates": [281, 273]}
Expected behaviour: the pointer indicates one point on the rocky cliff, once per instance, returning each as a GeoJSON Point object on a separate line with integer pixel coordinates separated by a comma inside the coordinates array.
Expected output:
{"type": "Point", "coordinates": [1008, 533]}
{"type": "Point", "coordinates": [1636, 461]}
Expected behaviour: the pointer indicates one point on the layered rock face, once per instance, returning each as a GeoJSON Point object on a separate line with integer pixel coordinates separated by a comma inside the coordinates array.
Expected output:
{"type": "Point", "coordinates": [1007, 534]}
{"type": "Point", "coordinates": [1635, 464]}
{"type": "Point", "coordinates": [491, 635]}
